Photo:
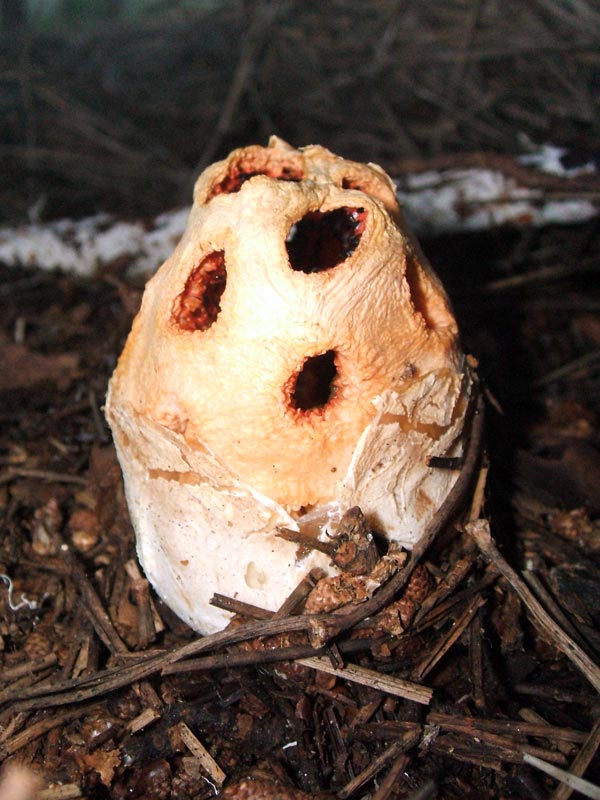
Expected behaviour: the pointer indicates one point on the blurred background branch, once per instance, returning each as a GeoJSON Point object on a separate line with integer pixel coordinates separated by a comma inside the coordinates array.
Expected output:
{"type": "Point", "coordinates": [114, 105]}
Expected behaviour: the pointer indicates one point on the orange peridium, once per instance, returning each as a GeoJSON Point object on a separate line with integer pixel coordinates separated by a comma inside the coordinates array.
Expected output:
{"type": "Point", "coordinates": [379, 314]}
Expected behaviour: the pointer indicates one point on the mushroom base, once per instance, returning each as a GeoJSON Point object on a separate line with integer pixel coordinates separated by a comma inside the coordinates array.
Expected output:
{"type": "Point", "coordinates": [201, 531]}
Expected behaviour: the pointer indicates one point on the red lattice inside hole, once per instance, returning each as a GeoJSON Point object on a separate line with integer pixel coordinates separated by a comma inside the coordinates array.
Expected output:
{"type": "Point", "coordinates": [314, 385]}
{"type": "Point", "coordinates": [241, 171]}
{"type": "Point", "coordinates": [349, 183]}
{"type": "Point", "coordinates": [323, 239]}
{"type": "Point", "coordinates": [198, 306]}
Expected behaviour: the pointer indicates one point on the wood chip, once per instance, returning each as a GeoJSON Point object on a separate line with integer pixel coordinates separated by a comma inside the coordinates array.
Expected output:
{"type": "Point", "coordinates": [142, 720]}
{"type": "Point", "coordinates": [67, 791]}
{"type": "Point", "coordinates": [81, 662]}
{"type": "Point", "coordinates": [196, 747]}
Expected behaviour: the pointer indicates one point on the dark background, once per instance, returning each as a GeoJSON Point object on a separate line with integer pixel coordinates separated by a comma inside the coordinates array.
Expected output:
{"type": "Point", "coordinates": [115, 106]}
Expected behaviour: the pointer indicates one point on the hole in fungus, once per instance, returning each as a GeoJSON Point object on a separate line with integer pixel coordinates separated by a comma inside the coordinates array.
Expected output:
{"type": "Point", "coordinates": [348, 183]}
{"type": "Point", "coordinates": [313, 387]}
{"type": "Point", "coordinates": [323, 239]}
{"type": "Point", "coordinates": [198, 306]}
{"type": "Point", "coordinates": [241, 171]}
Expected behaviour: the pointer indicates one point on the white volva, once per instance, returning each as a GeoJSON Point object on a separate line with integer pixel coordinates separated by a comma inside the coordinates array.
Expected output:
{"type": "Point", "coordinates": [294, 357]}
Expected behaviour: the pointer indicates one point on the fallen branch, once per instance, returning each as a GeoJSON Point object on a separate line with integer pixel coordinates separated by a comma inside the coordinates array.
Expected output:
{"type": "Point", "coordinates": [480, 531]}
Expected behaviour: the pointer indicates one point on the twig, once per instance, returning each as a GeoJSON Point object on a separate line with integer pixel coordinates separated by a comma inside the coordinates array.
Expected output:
{"type": "Point", "coordinates": [448, 584]}
{"type": "Point", "coordinates": [41, 727]}
{"type": "Point", "coordinates": [529, 715]}
{"type": "Point", "coordinates": [264, 15]}
{"type": "Point", "coordinates": [17, 723]}
{"type": "Point", "coordinates": [41, 474]}
{"type": "Point", "coordinates": [480, 530]}
{"type": "Point", "coordinates": [339, 750]}
{"type": "Point", "coordinates": [583, 362]}
{"type": "Point", "coordinates": [478, 499]}
{"type": "Point", "coordinates": [22, 685]}
{"type": "Point", "coordinates": [305, 540]}
{"type": "Point", "coordinates": [389, 783]}
{"type": "Point", "coordinates": [140, 590]}
{"type": "Point", "coordinates": [492, 745]}
{"type": "Point", "coordinates": [400, 746]}
{"type": "Point", "coordinates": [446, 642]}
{"type": "Point", "coordinates": [375, 731]}
{"type": "Point", "coordinates": [75, 691]}
{"type": "Point", "coordinates": [553, 608]}
{"type": "Point", "coordinates": [242, 659]}
{"type": "Point", "coordinates": [457, 748]}
{"type": "Point", "coordinates": [98, 616]}
{"type": "Point", "coordinates": [581, 761]}
{"type": "Point", "coordinates": [368, 677]}
{"type": "Point", "coordinates": [142, 720]}
{"type": "Point", "coordinates": [473, 726]}
{"type": "Point", "coordinates": [28, 667]}
{"type": "Point", "coordinates": [476, 662]}
{"type": "Point", "coordinates": [267, 656]}
{"type": "Point", "coordinates": [574, 783]}
{"type": "Point", "coordinates": [239, 607]}
{"type": "Point", "coordinates": [99, 423]}
{"type": "Point", "coordinates": [558, 695]}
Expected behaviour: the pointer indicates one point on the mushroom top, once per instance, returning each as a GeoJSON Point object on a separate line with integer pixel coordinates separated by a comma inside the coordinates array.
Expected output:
{"type": "Point", "coordinates": [295, 299]}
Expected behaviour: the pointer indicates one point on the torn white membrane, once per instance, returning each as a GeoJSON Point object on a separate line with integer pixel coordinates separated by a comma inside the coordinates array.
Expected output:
{"type": "Point", "coordinates": [188, 508]}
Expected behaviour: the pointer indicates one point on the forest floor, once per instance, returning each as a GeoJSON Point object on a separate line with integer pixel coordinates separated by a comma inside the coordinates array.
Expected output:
{"type": "Point", "coordinates": [95, 691]}
{"type": "Point", "coordinates": [106, 694]}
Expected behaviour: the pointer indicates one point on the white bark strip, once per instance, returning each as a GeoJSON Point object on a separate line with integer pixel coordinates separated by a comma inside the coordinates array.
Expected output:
{"type": "Point", "coordinates": [435, 201]}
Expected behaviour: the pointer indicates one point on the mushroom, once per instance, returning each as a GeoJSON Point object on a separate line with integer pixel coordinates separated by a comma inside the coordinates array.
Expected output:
{"type": "Point", "coordinates": [296, 356]}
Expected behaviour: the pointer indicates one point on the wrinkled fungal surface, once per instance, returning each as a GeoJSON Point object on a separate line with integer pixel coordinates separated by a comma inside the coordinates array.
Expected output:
{"type": "Point", "coordinates": [296, 356]}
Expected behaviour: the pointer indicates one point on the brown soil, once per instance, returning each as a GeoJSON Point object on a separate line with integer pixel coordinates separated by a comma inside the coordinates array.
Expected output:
{"type": "Point", "coordinates": [80, 612]}
{"type": "Point", "coordinates": [96, 693]}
